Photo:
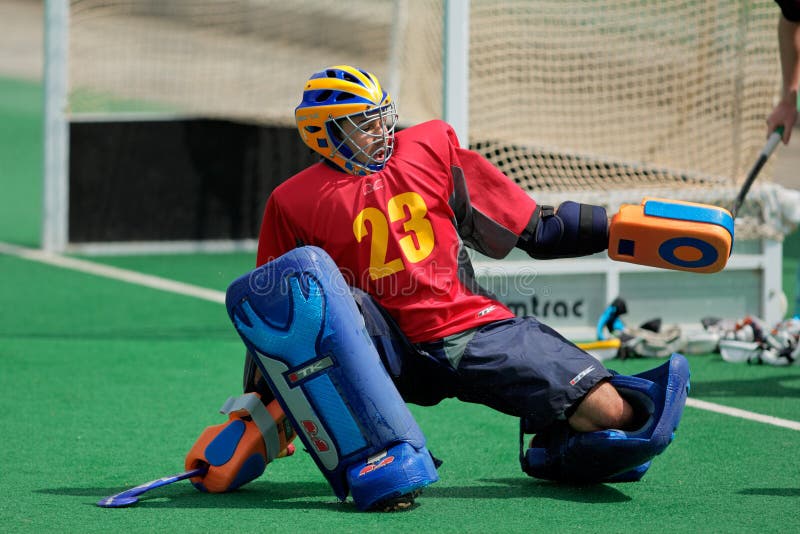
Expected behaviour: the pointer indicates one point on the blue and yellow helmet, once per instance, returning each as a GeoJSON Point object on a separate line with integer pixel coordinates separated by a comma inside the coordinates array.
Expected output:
{"type": "Point", "coordinates": [347, 117]}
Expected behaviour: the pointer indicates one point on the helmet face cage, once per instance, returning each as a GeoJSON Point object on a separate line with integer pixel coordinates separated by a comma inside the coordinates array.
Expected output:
{"type": "Point", "coordinates": [364, 139]}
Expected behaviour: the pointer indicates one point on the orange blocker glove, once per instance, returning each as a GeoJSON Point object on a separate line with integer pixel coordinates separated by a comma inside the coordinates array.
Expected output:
{"type": "Point", "coordinates": [238, 451]}
{"type": "Point", "coordinates": [672, 234]}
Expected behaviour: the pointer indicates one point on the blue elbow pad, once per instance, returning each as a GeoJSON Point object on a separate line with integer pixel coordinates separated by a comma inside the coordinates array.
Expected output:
{"type": "Point", "coordinates": [570, 231]}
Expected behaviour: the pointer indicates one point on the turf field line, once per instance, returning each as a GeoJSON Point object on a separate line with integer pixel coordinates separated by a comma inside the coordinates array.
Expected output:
{"type": "Point", "coordinates": [743, 414]}
{"type": "Point", "coordinates": [115, 273]}
{"type": "Point", "coordinates": [172, 286]}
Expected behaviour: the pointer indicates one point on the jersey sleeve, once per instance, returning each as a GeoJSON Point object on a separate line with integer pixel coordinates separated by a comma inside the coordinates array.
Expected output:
{"type": "Point", "coordinates": [790, 9]}
{"type": "Point", "coordinates": [276, 237]}
{"type": "Point", "coordinates": [491, 210]}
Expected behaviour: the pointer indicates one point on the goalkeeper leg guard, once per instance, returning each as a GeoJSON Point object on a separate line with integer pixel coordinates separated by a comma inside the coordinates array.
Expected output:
{"type": "Point", "coordinates": [238, 451]}
{"type": "Point", "coordinates": [560, 453]}
{"type": "Point", "coordinates": [298, 319]}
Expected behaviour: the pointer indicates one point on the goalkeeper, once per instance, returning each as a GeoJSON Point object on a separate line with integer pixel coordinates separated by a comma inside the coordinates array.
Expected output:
{"type": "Point", "coordinates": [395, 211]}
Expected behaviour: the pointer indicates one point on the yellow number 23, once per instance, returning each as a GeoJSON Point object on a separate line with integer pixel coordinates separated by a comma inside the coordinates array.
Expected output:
{"type": "Point", "coordinates": [407, 207]}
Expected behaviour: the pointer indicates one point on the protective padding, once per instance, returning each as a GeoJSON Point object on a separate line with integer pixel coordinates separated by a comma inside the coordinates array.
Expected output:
{"type": "Point", "coordinates": [297, 317]}
{"type": "Point", "coordinates": [615, 455]}
{"type": "Point", "coordinates": [234, 452]}
{"type": "Point", "coordinates": [238, 451]}
{"type": "Point", "coordinates": [672, 234]}
{"type": "Point", "coordinates": [382, 471]}
{"type": "Point", "coordinates": [573, 230]}
{"type": "Point", "coordinates": [632, 475]}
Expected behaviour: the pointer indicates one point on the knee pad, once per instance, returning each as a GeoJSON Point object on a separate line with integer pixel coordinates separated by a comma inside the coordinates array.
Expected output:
{"type": "Point", "coordinates": [560, 453]}
{"type": "Point", "coordinates": [299, 321]}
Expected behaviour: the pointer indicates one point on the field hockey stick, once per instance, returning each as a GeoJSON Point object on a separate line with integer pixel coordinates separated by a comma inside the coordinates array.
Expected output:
{"type": "Point", "coordinates": [772, 142]}
{"type": "Point", "coordinates": [131, 496]}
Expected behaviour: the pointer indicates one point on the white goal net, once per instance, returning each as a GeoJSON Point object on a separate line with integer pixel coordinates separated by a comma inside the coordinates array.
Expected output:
{"type": "Point", "coordinates": [601, 100]}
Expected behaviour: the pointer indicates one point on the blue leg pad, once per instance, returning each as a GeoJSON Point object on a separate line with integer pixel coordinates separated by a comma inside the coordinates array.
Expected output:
{"type": "Point", "coordinates": [298, 319]}
{"type": "Point", "coordinates": [632, 475]}
{"type": "Point", "coordinates": [560, 453]}
{"type": "Point", "coordinates": [397, 471]}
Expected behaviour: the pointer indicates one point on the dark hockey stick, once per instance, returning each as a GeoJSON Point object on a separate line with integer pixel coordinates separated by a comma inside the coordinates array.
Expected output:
{"type": "Point", "coordinates": [772, 142]}
{"type": "Point", "coordinates": [131, 496]}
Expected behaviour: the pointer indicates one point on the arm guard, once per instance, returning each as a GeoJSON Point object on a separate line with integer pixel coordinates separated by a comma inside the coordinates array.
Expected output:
{"type": "Point", "coordinates": [570, 231]}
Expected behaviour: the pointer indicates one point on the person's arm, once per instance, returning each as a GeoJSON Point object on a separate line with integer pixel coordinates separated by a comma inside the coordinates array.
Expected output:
{"type": "Point", "coordinates": [491, 211]}
{"type": "Point", "coordinates": [785, 112]}
{"type": "Point", "coordinates": [495, 215]}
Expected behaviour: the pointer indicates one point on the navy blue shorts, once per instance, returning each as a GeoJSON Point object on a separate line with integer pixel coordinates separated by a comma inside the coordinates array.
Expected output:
{"type": "Point", "coordinates": [517, 366]}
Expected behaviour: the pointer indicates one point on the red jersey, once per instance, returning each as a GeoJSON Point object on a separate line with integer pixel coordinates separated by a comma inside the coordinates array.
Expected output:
{"type": "Point", "coordinates": [398, 234]}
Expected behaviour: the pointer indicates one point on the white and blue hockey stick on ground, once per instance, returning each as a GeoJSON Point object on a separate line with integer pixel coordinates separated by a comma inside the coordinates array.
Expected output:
{"type": "Point", "coordinates": [131, 496]}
